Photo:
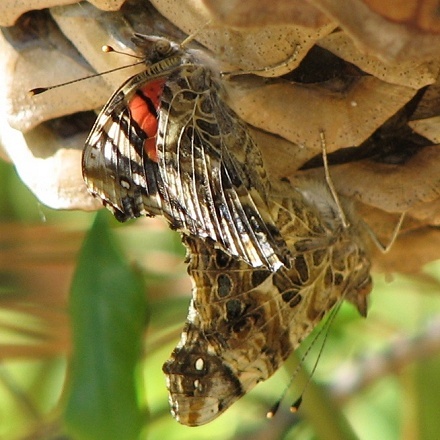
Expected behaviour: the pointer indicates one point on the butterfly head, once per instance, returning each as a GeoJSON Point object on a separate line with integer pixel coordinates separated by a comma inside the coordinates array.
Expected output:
{"type": "Point", "coordinates": [157, 48]}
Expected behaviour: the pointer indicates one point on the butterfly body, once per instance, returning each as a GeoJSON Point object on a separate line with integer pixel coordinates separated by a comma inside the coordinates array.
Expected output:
{"type": "Point", "coordinates": [167, 144]}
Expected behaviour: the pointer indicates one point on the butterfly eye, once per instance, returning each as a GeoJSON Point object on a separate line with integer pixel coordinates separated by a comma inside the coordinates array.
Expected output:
{"type": "Point", "coordinates": [163, 47]}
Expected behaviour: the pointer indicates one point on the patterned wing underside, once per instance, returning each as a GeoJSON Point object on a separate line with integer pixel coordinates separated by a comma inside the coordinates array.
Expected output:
{"type": "Point", "coordinates": [208, 181]}
{"type": "Point", "coordinates": [115, 165]}
{"type": "Point", "coordinates": [244, 322]}
{"type": "Point", "coordinates": [214, 169]}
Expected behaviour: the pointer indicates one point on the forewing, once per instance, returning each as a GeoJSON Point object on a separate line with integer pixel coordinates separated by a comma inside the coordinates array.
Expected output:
{"type": "Point", "coordinates": [116, 166]}
{"type": "Point", "coordinates": [212, 172]}
{"type": "Point", "coordinates": [192, 161]}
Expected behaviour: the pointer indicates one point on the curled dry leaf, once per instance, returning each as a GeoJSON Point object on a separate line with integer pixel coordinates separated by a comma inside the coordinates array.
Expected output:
{"type": "Point", "coordinates": [393, 29]}
{"type": "Point", "coordinates": [408, 72]}
{"type": "Point", "coordinates": [426, 120]}
{"type": "Point", "coordinates": [390, 30]}
{"type": "Point", "coordinates": [320, 65]}
{"type": "Point", "coordinates": [49, 164]}
{"type": "Point", "coordinates": [13, 9]}
{"type": "Point", "coordinates": [246, 49]}
{"type": "Point", "coordinates": [50, 65]}
{"type": "Point", "coordinates": [380, 185]}
{"type": "Point", "coordinates": [428, 128]}
{"type": "Point", "coordinates": [347, 111]}
{"type": "Point", "coordinates": [255, 13]}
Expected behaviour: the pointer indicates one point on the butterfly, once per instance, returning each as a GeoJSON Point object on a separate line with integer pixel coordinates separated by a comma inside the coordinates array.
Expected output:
{"type": "Point", "coordinates": [167, 144]}
{"type": "Point", "coordinates": [244, 322]}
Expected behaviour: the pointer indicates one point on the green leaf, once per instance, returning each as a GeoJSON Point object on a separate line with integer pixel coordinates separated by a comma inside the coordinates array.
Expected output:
{"type": "Point", "coordinates": [426, 397]}
{"type": "Point", "coordinates": [108, 313]}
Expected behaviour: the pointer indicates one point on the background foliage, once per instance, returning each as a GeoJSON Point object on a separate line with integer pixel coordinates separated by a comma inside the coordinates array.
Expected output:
{"type": "Point", "coordinates": [125, 291]}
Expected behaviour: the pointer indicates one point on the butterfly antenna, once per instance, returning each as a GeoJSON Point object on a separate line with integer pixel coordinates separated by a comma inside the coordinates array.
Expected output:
{"type": "Point", "coordinates": [326, 330]}
{"type": "Point", "coordinates": [329, 181]}
{"type": "Point", "coordinates": [323, 330]}
{"type": "Point", "coordinates": [107, 49]}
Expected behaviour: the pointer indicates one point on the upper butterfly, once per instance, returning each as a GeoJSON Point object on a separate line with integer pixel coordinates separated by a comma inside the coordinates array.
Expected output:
{"type": "Point", "coordinates": [167, 144]}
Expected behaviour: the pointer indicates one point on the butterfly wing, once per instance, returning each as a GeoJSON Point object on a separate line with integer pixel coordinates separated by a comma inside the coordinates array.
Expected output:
{"type": "Point", "coordinates": [234, 336]}
{"type": "Point", "coordinates": [116, 165]}
{"type": "Point", "coordinates": [171, 147]}
{"type": "Point", "coordinates": [244, 322]}
{"type": "Point", "coordinates": [213, 171]}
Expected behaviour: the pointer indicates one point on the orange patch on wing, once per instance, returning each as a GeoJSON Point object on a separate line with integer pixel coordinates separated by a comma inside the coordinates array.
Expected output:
{"type": "Point", "coordinates": [141, 107]}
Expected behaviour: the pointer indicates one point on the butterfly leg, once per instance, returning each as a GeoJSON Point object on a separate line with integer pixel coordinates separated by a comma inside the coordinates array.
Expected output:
{"type": "Point", "coordinates": [382, 247]}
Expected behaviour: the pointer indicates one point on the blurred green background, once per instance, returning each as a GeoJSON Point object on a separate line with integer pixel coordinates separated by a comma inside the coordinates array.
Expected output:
{"type": "Point", "coordinates": [110, 300]}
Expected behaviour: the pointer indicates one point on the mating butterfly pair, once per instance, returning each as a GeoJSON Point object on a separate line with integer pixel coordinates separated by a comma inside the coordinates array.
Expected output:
{"type": "Point", "coordinates": [267, 263]}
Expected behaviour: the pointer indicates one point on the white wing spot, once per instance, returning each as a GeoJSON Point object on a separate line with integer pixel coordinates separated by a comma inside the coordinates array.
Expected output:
{"type": "Point", "coordinates": [125, 184]}
{"type": "Point", "coordinates": [200, 363]}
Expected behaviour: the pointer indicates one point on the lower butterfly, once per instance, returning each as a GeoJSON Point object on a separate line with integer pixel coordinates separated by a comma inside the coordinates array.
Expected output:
{"type": "Point", "coordinates": [244, 322]}
{"type": "Point", "coordinates": [167, 144]}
